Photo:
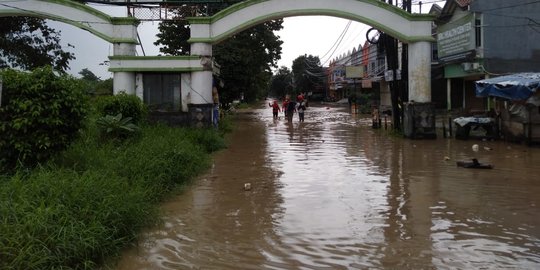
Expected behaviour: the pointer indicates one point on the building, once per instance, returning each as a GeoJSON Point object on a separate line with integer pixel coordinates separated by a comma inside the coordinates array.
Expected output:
{"type": "Point", "coordinates": [357, 72]}
{"type": "Point", "coordinates": [479, 39]}
{"type": "Point", "coordinates": [483, 39]}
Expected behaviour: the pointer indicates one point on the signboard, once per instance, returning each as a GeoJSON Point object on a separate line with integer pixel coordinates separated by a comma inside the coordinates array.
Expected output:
{"type": "Point", "coordinates": [354, 72]}
{"type": "Point", "coordinates": [456, 39]}
{"type": "Point", "coordinates": [367, 83]}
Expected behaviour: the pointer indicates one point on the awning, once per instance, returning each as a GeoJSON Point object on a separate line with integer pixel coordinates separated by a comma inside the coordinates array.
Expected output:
{"type": "Point", "coordinates": [520, 86]}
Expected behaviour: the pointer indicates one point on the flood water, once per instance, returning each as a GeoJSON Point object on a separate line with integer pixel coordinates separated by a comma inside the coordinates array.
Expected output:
{"type": "Point", "coordinates": [332, 193]}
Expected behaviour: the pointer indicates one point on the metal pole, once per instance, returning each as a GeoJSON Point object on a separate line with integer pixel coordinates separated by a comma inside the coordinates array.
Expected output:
{"type": "Point", "coordinates": [450, 127]}
{"type": "Point", "coordinates": [443, 129]}
{"type": "Point", "coordinates": [355, 97]}
{"type": "Point", "coordinates": [449, 94]}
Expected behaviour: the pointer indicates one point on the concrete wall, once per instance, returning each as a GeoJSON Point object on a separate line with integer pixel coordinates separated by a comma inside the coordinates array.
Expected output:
{"type": "Point", "coordinates": [511, 42]}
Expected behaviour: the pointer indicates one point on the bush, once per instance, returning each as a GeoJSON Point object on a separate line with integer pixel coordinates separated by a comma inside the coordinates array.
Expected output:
{"type": "Point", "coordinates": [116, 128]}
{"type": "Point", "coordinates": [85, 207]}
{"type": "Point", "coordinates": [41, 115]}
{"type": "Point", "coordinates": [59, 219]}
{"type": "Point", "coordinates": [127, 105]}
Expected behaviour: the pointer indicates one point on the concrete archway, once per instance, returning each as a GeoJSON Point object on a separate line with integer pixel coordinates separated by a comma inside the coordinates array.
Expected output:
{"type": "Point", "coordinates": [111, 29]}
{"type": "Point", "coordinates": [206, 31]}
{"type": "Point", "coordinates": [413, 29]}
{"type": "Point", "coordinates": [402, 25]}
{"type": "Point", "coordinates": [120, 31]}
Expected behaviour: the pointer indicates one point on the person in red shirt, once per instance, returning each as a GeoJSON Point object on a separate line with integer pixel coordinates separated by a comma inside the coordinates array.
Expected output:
{"type": "Point", "coordinates": [284, 105]}
{"type": "Point", "coordinates": [275, 109]}
{"type": "Point", "coordinates": [300, 97]}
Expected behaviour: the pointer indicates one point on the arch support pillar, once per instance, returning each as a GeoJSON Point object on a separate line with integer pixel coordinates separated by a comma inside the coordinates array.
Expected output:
{"type": "Point", "coordinates": [419, 112]}
{"type": "Point", "coordinates": [124, 81]}
{"type": "Point", "coordinates": [420, 72]}
{"type": "Point", "coordinates": [201, 104]}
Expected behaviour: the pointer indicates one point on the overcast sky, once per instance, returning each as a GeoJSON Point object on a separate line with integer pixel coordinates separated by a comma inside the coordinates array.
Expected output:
{"type": "Point", "coordinates": [315, 35]}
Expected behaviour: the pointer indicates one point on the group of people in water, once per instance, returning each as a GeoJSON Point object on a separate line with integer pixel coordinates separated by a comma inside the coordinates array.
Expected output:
{"type": "Point", "coordinates": [289, 107]}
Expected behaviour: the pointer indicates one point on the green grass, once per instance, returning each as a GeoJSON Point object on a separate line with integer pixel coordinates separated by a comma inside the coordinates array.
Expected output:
{"type": "Point", "coordinates": [81, 208]}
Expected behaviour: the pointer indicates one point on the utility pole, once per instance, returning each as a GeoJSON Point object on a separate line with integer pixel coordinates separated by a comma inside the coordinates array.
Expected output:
{"type": "Point", "coordinates": [398, 88]}
{"type": "Point", "coordinates": [404, 83]}
{"type": "Point", "coordinates": [390, 46]}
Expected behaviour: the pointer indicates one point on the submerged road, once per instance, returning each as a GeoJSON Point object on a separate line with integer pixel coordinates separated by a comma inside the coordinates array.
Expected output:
{"type": "Point", "coordinates": [332, 193]}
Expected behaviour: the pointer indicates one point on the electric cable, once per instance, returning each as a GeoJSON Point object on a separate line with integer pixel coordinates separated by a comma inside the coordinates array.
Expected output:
{"type": "Point", "coordinates": [340, 36]}
{"type": "Point", "coordinates": [339, 42]}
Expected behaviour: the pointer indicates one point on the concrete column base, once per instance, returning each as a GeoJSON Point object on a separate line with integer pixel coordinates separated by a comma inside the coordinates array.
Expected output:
{"type": "Point", "coordinates": [200, 115]}
{"type": "Point", "coordinates": [419, 121]}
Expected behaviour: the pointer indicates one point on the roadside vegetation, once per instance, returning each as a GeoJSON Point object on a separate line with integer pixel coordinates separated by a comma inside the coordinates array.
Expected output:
{"type": "Point", "coordinates": [89, 196]}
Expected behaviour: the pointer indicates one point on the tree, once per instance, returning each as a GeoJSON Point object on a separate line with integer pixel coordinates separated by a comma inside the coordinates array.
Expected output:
{"type": "Point", "coordinates": [104, 88]}
{"type": "Point", "coordinates": [173, 34]}
{"type": "Point", "coordinates": [28, 43]}
{"type": "Point", "coordinates": [94, 85]}
{"type": "Point", "coordinates": [308, 73]}
{"type": "Point", "coordinates": [41, 115]}
{"type": "Point", "coordinates": [88, 75]}
{"type": "Point", "coordinates": [281, 83]}
{"type": "Point", "coordinates": [245, 60]}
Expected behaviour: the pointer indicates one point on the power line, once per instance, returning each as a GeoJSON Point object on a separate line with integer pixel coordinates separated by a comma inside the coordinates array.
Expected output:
{"type": "Point", "coordinates": [362, 30]}
{"type": "Point", "coordinates": [338, 41]}
{"type": "Point", "coordinates": [340, 35]}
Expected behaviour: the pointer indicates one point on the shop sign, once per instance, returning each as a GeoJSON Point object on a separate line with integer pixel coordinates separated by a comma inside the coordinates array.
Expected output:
{"type": "Point", "coordinates": [354, 72]}
{"type": "Point", "coordinates": [456, 38]}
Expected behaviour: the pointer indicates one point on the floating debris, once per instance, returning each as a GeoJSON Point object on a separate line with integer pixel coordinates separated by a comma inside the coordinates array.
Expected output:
{"type": "Point", "coordinates": [473, 164]}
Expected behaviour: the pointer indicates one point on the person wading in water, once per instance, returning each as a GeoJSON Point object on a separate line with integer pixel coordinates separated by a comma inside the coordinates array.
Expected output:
{"type": "Point", "coordinates": [291, 108]}
{"type": "Point", "coordinates": [275, 109]}
{"type": "Point", "coordinates": [301, 109]}
{"type": "Point", "coordinates": [285, 103]}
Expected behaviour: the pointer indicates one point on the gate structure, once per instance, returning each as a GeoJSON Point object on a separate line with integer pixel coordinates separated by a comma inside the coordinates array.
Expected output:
{"type": "Point", "coordinates": [196, 70]}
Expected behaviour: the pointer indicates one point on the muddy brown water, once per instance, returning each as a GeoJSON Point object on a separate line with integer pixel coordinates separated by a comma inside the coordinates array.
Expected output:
{"type": "Point", "coordinates": [332, 193]}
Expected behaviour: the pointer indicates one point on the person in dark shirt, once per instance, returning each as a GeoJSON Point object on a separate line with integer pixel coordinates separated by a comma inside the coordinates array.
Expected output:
{"type": "Point", "coordinates": [301, 109]}
{"type": "Point", "coordinates": [284, 108]}
{"type": "Point", "coordinates": [291, 109]}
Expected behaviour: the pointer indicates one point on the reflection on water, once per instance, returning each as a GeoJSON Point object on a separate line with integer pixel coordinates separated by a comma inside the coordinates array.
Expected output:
{"type": "Point", "coordinates": [331, 193]}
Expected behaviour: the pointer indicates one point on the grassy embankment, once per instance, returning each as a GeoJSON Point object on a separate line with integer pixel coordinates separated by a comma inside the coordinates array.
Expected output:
{"type": "Point", "coordinates": [82, 208]}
